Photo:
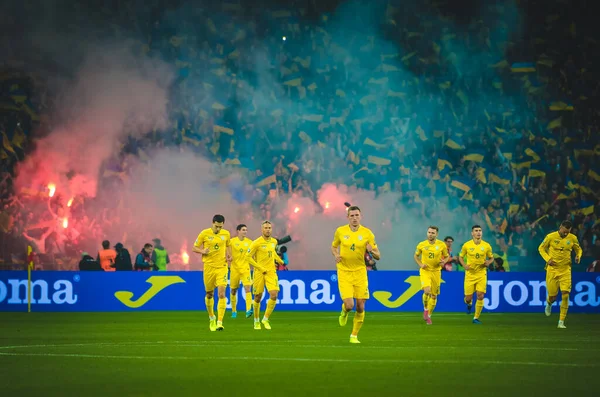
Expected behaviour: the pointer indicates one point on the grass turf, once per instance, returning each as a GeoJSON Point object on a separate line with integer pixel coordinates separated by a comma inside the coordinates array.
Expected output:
{"type": "Point", "coordinates": [174, 353]}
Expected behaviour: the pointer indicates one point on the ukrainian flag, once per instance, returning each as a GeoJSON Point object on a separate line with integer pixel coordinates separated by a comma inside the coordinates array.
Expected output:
{"type": "Point", "coordinates": [378, 160]}
{"type": "Point", "coordinates": [455, 143]}
{"type": "Point", "coordinates": [443, 162]}
{"type": "Point", "coordinates": [554, 124]}
{"type": "Point", "coordinates": [475, 155]}
{"type": "Point", "coordinates": [267, 181]}
{"type": "Point", "coordinates": [538, 170]}
{"type": "Point", "coordinates": [531, 153]}
{"type": "Point", "coordinates": [586, 207]}
{"type": "Point", "coordinates": [582, 150]}
{"type": "Point", "coordinates": [502, 178]}
{"type": "Point", "coordinates": [594, 175]}
{"type": "Point", "coordinates": [522, 67]}
{"type": "Point", "coordinates": [559, 106]}
{"type": "Point", "coordinates": [521, 165]}
{"type": "Point", "coordinates": [462, 183]}
{"type": "Point", "coordinates": [293, 80]}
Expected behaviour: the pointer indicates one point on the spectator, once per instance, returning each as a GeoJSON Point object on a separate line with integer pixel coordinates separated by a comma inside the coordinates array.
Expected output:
{"type": "Point", "coordinates": [123, 260]}
{"type": "Point", "coordinates": [143, 260]}
{"type": "Point", "coordinates": [284, 256]}
{"type": "Point", "coordinates": [453, 264]}
{"type": "Point", "coordinates": [160, 258]}
{"type": "Point", "coordinates": [106, 257]}
{"type": "Point", "coordinates": [370, 262]}
{"type": "Point", "coordinates": [87, 263]}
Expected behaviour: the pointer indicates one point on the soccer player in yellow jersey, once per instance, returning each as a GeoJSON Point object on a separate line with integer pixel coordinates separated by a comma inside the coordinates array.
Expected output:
{"type": "Point", "coordinates": [479, 256]}
{"type": "Point", "coordinates": [556, 250]}
{"type": "Point", "coordinates": [262, 250]}
{"type": "Point", "coordinates": [350, 242]}
{"type": "Point", "coordinates": [431, 255]}
{"type": "Point", "coordinates": [240, 269]}
{"type": "Point", "coordinates": [214, 246]}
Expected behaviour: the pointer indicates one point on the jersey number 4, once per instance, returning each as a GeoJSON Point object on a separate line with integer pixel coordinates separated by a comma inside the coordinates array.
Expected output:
{"type": "Point", "coordinates": [352, 247]}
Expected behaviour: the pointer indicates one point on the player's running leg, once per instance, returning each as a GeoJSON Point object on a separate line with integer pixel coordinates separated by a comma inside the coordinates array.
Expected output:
{"type": "Point", "coordinates": [209, 286]}
{"type": "Point", "coordinates": [249, 310]}
{"type": "Point", "coordinates": [426, 296]}
{"type": "Point", "coordinates": [272, 283]}
{"type": "Point", "coordinates": [346, 287]}
{"type": "Point", "coordinates": [430, 307]}
{"type": "Point", "coordinates": [233, 300]}
{"type": "Point", "coordinates": [478, 307]}
{"type": "Point", "coordinates": [221, 307]}
{"type": "Point", "coordinates": [359, 319]}
{"type": "Point", "coordinates": [347, 306]}
{"type": "Point", "coordinates": [564, 307]}
{"type": "Point", "coordinates": [258, 287]}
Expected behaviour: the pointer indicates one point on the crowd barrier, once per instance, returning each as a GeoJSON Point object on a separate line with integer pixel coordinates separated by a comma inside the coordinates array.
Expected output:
{"type": "Point", "coordinates": [299, 290]}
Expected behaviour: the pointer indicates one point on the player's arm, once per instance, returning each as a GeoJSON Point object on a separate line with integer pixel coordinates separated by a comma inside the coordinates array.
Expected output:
{"type": "Point", "coordinates": [252, 251]}
{"type": "Point", "coordinates": [417, 257]}
{"type": "Point", "coordinates": [578, 250]}
{"type": "Point", "coordinates": [543, 250]}
{"type": "Point", "coordinates": [490, 256]}
{"type": "Point", "coordinates": [199, 245]}
{"type": "Point", "coordinates": [277, 258]}
{"type": "Point", "coordinates": [461, 255]}
{"type": "Point", "coordinates": [335, 247]}
{"type": "Point", "coordinates": [250, 260]}
{"type": "Point", "coordinates": [228, 255]}
{"type": "Point", "coordinates": [372, 248]}
{"type": "Point", "coordinates": [445, 258]}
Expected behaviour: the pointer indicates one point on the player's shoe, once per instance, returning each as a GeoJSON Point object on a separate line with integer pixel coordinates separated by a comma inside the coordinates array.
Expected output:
{"type": "Point", "coordinates": [220, 326]}
{"type": "Point", "coordinates": [469, 309]}
{"type": "Point", "coordinates": [548, 309]}
{"type": "Point", "coordinates": [425, 315]}
{"type": "Point", "coordinates": [354, 339]}
{"type": "Point", "coordinates": [561, 325]}
{"type": "Point", "coordinates": [343, 318]}
{"type": "Point", "coordinates": [233, 314]}
{"type": "Point", "coordinates": [266, 323]}
{"type": "Point", "coordinates": [476, 321]}
{"type": "Point", "coordinates": [250, 312]}
{"type": "Point", "coordinates": [428, 321]}
{"type": "Point", "coordinates": [212, 325]}
{"type": "Point", "coordinates": [257, 325]}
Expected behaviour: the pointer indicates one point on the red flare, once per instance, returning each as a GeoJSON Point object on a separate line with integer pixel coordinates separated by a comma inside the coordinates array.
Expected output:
{"type": "Point", "coordinates": [51, 189]}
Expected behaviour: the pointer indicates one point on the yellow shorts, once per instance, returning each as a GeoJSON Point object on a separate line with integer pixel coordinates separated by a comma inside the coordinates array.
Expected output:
{"type": "Point", "coordinates": [265, 278]}
{"type": "Point", "coordinates": [215, 277]}
{"type": "Point", "coordinates": [432, 280]}
{"type": "Point", "coordinates": [353, 284]}
{"type": "Point", "coordinates": [556, 280]}
{"type": "Point", "coordinates": [475, 283]}
{"type": "Point", "coordinates": [238, 275]}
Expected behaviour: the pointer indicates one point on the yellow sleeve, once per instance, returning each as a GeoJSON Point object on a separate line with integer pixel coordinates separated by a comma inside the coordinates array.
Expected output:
{"type": "Point", "coordinates": [463, 251]}
{"type": "Point", "coordinates": [372, 240]}
{"type": "Point", "coordinates": [199, 240]}
{"type": "Point", "coordinates": [228, 241]}
{"type": "Point", "coordinates": [251, 260]}
{"type": "Point", "coordinates": [419, 250]}
{"type": "Point", "coordinates": [543, 249]}
{"type": "Point", "coordinates": [252, 250]}
{"type": "Point", "coordinates": [336, 239]}
{"type": "Point", "coordinates": [445, 253]}
{"type": "Point", "coordinates": [577, 249]}
{"type": "Point", "coordinates": [490, 254]}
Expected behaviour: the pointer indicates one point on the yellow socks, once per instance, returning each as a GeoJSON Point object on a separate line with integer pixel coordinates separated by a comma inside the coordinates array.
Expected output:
{"type": "Point", "coordinates": [233, 299]}
{"type": "Point", "coordinates": [248, 301]}
{"type": "Point", "coordinates": [431, 305]}
{"type": "Point", "coordinates": [478, 308]}
{"type": "Point", "coordinates": [564, 307]}
{"type": "Point", "coordinates": [344, 309]}
{"type": "Point", "coordinates": [425, 301]}
{"type": "Point", "coordinates": [221, 308]}
{"type": "Point", "coordinates": [256, 311]}
{"type": "Point", "coordinates": [359, 319]}
{"type": "Point", "coordinates": [270, 307]}
{"type": "Point", "coordinates": [210, 306]}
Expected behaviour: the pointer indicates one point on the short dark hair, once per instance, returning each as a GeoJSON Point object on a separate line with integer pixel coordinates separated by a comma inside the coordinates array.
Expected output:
{"type": "Point", "coordinates": [566, 224]}
{"type": "Point", "coordinates": [448, 238]}
{"type": "Point", "coordinates": [240, 227]}
{"type": "Point", "coordinates": [106, 244]}
{"type": "Point", "coordinates": [354, 208]}
{"type": "Point", "coordinates": [475, 227]}
{"type": "Point", "coordinates": [437, 229]}
{"type": "Point", "coordinates": [266, 222]}
{"type": "Point", "coordinates": [147, 245]}
{"type": "Point", "coordinates": [218, 219]}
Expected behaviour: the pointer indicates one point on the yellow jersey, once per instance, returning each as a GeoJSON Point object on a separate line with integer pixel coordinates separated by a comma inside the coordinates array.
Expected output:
{"type": "Point", "coordinates": [476, 255]}
{"type": "Point", "coordinates": [263, 251]}
{"type": "Point", "coordinates": [353, 246]}
{"type": "Point", "coordinates": [432, 254]}
{"type": "Point", "coordinates": [559, 250]}
{"type": "Point", "coordinates": [216, 244]}
{"type": "Point", "coordinates": [239, 252]}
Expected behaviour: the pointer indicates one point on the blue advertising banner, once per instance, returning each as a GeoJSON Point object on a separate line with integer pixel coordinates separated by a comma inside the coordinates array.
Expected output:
{"type": "Point", "coordinates": [299, 290]}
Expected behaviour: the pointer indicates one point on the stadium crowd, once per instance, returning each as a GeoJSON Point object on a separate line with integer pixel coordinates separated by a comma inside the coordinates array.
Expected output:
{"type": "Point", "coordinates": [465, 124]}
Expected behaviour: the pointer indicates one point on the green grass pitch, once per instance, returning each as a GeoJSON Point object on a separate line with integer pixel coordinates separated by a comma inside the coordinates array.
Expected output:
{"type": "Point", "coordinates": [175, 354]}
